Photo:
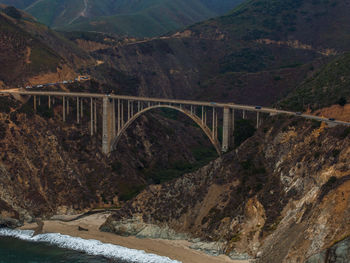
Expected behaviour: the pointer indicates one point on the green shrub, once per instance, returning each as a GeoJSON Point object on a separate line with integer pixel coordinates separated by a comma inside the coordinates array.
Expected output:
{"type": "Point", "coordinates": [26, 109]}
{"type": "Point", "coordinates": [129, 194]}
{"type": "Point", "coordinates": [244, 129]}
{"type": "Point", "coordinates": [5, 105]}
{"type": "Point", "coordinates": [335, 153]}
{"type": "Point", "coordinates": [2, 131]}
{"type": "Point", "coordinates": [117, 166]}
{"type": "Point", "coordinates": [345, 133]}
{"type": "Point", "coordinates": [342, 101]}
{"type": "Point", "coordinates": [12, 12]}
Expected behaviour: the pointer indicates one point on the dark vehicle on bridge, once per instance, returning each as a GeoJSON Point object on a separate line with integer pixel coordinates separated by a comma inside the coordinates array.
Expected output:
{"type": "Point", "coordinates": [331, 119]}
{"type": "Point", "coordinates": [298, 113]}
{"type": "Point", "coordinates": [258, 107]}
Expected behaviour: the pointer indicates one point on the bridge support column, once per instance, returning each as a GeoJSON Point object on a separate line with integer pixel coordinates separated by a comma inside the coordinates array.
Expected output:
{"type": "Point", "coordinates": [78, 110]}
{"type": "Point", "coordinates": [202, 114]}
{"type": "Point", "coordinates": [95, 116]}
{"type": "Point", "coordinates": [128, 110]}
{"type": "Point", "coordinates": [34, 100]}
{"type": "Point", "coordinates": [119, 117]}
{"type": "Point", "coordinates": [215, 125]}
{"type": "Point", "coordinates": [64, 108]}
{"type": "Point", "coordinates": [67, 106]}
{"type": "Point", "coordinates": [107, 123]}
{"type": "Point", "coordinates": [49, 102]}
{"type": "Point", "coordinates": [226, 131]}
{"type": "Point", "coordinates": [81, 108]}
{"type": "Point", "coordinates": [233, 128]}
{"type": "Point", "coordinates": [91, 117]}
{"type": "Point", "coordinates": [257, 120]}
{"type": "Point", "coordinates": [244, 113]}
{"type": "Point", "coordinates": [113, 119]}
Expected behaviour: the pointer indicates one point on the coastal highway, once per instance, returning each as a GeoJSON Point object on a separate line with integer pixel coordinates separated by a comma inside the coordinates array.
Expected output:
{"type": "Point", "coordinates": [267, 110]}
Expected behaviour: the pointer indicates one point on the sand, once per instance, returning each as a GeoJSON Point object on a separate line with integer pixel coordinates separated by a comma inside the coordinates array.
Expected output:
{"type": "Point", "coordinates": [178, 249]}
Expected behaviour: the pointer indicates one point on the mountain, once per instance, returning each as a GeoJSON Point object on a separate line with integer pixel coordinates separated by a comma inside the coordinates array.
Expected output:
{"type": "Point", "coordinates": [33, 52]}
{"type": "Point", "coordinates": [124, 17]}
{"type": "Point", "coordinates": [282, 196]}
{"type": "Point", "coordinates": [256, 54]}
{"type": "Point", "coordinates": [328, 87]}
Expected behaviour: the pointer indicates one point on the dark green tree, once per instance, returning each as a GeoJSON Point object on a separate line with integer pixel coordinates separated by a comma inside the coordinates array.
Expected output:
{"type": "Point", "coordinates": [244, 129]}
{"type": "Point", "coordinates": [342, 101]}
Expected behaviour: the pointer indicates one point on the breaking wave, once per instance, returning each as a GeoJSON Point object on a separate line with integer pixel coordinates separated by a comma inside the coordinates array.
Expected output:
{"type": "Point", "coordinates": [91, 247]}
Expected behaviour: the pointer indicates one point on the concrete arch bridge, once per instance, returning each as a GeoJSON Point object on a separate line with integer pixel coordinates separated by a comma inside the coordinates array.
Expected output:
{"type": "Point", "coordinates": [119, 112]}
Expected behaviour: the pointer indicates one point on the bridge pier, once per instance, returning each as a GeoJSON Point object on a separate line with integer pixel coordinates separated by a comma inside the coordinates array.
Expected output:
{"type": "Point", "coordinates": [232, 129]}
{"type": "Point", "coordinates": [95, 116]}
{"type": "Point", "coordinates": [67, 106]}
{"type": "Point", "coordinates": [91, 117]}
{"type": "Point", "coordinates": [228, 129]}
{"type": "Point", "coordinates": [118, 120]}
{"type": "Point", "coordinates": [64, 108]}
{"type": "Point", "coordinates": [34, 100]}
{"type": "Point", "coordinates": [78, 110]}
{"type": "Point", "coordinates": [81, 108]}
{"type": "Point", "coordinates": [113, 119]}
{"type": "Point", "coordinates": [107, 125]}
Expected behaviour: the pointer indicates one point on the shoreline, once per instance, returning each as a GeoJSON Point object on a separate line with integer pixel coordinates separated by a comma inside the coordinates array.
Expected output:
{"type": "Point", "coordinates": [174, 249]}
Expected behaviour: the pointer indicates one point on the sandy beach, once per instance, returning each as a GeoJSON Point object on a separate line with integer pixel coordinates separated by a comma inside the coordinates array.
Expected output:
{"type": "Point", "coordinates": [178, 249]}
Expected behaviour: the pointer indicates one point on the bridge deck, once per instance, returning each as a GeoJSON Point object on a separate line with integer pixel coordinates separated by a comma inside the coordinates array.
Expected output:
{"type": "Point", "coordinates": [171, 101]}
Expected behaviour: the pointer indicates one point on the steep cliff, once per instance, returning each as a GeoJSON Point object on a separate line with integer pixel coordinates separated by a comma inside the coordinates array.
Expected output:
{"type": "Point", "coordinates": [282, 196]}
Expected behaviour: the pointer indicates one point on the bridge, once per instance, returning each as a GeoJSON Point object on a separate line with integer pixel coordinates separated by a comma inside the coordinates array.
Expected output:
{"type": "Point", "coordinates": [119, 112]}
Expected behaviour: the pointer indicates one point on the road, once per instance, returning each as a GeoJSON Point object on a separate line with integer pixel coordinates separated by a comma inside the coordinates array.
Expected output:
{"type": "Point", "coordinates": [172, 101]}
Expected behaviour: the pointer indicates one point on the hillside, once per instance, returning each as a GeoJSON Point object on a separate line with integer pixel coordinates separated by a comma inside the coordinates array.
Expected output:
{"type": "Point", "coordinates": [282, 196]}
{"type": "Point", "coordinates": [124, 17]}
{"type": "Point", "coordinates": [256, 54]}
{"type": "Point", "coordinates": [329, 86]}
{"type": "Point", "coordinates": [31, 50]}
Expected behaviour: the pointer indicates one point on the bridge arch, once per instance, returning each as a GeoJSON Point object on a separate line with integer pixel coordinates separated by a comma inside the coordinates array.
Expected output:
{"type": "Point", "coordinates": [195, 118]}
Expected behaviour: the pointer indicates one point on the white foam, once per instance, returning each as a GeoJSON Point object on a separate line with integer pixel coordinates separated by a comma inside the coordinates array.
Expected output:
{"type": "Point", "coordinates": [91, 247]}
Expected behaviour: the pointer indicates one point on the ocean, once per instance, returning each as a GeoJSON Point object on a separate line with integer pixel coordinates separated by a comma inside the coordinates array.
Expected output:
{"type": "Point", "coordinates": [21, 246]}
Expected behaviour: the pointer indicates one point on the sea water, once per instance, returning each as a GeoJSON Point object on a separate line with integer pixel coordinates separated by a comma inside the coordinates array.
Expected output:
{"type": "Point", "coordinates": [21, 246]}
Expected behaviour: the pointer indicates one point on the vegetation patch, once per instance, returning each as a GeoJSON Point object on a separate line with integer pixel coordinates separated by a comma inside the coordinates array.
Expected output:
{"type": "Point", "coordinates": [328, 87]}
{"type": "Point", "coordinates": [2, 131]}
{"type": "Point", "coordinates": [5, 104]}
{"type": "Point", "coordinates": [244, 129]}
{"type": "Point", "coordinates": [332, 183]}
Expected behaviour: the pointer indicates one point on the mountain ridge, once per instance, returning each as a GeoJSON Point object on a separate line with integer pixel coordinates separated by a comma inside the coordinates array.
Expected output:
{"type": "Point", "coordinates": [123, 17]}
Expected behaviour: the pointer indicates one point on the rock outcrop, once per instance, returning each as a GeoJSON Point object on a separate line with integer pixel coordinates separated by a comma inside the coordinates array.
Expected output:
{"type": "Point", "coordinates": [282, 196]}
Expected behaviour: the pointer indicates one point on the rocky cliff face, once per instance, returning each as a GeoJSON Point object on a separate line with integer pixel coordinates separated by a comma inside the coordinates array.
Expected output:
{"type": "Point", "coordinates": [282, 196]}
